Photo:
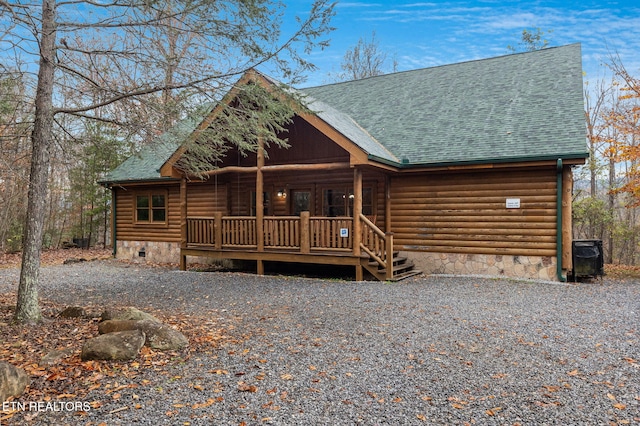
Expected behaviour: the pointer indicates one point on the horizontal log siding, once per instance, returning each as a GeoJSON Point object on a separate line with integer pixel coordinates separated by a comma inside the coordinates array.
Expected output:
{"type": "Point", "coordinates": [203, 201]}
{"type": "Point", "coordinates": [467, 213]}
{"type": "Point", "coordinates": [127, 230]}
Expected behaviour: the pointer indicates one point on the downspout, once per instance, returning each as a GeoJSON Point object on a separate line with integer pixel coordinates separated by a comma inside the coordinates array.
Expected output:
{"type": "Point", "coordinates": [114, 231]}
{"type": "Point", "coordinates": [559, 167]}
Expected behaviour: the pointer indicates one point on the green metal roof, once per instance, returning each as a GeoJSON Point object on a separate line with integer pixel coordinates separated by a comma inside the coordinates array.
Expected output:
{"type": "Point", "coordinates": [523, 106]}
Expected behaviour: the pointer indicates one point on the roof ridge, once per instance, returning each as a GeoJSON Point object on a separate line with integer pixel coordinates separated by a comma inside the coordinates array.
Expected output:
{"type": "Point", "coordinates": [452, 64]}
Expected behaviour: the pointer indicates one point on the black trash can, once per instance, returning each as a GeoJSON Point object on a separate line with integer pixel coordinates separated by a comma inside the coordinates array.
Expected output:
{"type": "Point", "coordinates": [588, 259]}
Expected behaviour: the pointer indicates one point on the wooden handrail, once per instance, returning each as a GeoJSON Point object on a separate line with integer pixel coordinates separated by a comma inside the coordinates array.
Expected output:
{"type": "Point", "coordinates": [381, 248]}
{"type": "Point", "coordinates": [372, 225]}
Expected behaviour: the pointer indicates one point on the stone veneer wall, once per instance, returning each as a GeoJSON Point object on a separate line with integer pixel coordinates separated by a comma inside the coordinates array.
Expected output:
{"type": "Point", "coordinates": [159, 252]}
{"type": "Point", "coordinates": [534, 267]}
{"type": "Point", "coordinates": [155, 252]}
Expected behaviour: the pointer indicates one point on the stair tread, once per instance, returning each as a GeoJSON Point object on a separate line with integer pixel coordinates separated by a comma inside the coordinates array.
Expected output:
{"type": "Point", "coordinates": [402, 268]}
{"type": "Point", "coordinates": [396, 260]}
{"type": "Point", "coordinates": [405, 275]}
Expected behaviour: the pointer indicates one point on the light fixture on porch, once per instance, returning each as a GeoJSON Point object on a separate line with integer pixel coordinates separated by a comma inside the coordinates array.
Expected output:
{"type": "Point", "coordinates": [282, 193]}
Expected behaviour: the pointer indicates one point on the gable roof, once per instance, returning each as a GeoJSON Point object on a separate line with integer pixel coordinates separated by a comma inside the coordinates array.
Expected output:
{"type": "Point", "coordinates": [526, 106]}
{"type": "Point", "coordinates": [519, 107]}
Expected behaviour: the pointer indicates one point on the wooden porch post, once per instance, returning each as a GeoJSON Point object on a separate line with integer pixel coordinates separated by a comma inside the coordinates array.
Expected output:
{"type": "Point", "coordinates": [183, 222]}
{"type": "Point", "coordinates": [357, 210]}
{"type": "Point", "coordinates": [387, 227]}
{"type": "Point", "coordinates": [260, 205]}
{"type": "Point", "coordinates": [217, 225]}
{"type": "Point", "coordinates": [305, 234]}
{"type": "Point", "coordinates": [357, 224]}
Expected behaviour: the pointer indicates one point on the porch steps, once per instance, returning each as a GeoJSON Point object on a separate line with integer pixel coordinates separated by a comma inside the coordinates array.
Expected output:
{"type": "Point", "coordinates": [402, 268]}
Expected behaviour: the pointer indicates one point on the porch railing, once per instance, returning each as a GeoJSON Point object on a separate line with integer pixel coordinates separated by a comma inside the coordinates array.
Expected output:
{"type": "Point", "coordinates": [282, 232]}
{"type": "Point", "coordinates": [302, 232]}
{"type": "Point", "coordinates": [377, 244]}
{"type": "Point", "coordinates": [331, 233]}
{"type": "Point", "coordinates": [298, 233]}
{"type": "Point", "coordinates": [238, 232]}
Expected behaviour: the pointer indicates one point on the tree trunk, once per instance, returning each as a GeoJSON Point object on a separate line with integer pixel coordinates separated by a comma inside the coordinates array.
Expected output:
{"type": "Point", "coordinates": [27, 307]}
{"type": "Point", "coordinates": [611, 207]}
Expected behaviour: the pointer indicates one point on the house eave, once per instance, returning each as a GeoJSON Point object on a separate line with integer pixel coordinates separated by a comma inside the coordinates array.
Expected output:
{"type": "Point", "coordinates": [127, 182]}
{"type": "Point", "coordinates": [571, 158]}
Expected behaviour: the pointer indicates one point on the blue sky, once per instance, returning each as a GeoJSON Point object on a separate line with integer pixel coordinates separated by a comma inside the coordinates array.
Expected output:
{"type": "Point", "coordinates": [432, 33]}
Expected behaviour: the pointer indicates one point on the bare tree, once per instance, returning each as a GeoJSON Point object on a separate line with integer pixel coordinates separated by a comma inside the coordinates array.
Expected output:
{"type": "Point", "coordinates": [531, 41]}
{"type": "Point", "coordinates": [365, 59]}
{"type": "Point", "coordinates": [227, 37]}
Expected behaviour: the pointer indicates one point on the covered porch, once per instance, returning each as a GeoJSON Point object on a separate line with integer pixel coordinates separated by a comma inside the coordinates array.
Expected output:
{"type": "Point", "coordinates": [322, 203]}
{"type": "Point", "coordinates": [353, 240]}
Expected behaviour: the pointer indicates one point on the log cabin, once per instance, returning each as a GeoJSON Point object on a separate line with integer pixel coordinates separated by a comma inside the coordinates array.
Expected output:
{"type": "Point", "coordinates": [457, 169]}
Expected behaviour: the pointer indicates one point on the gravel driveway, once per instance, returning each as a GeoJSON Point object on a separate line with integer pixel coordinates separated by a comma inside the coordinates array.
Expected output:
{"type": "Point", "coordinates": [433, 350]}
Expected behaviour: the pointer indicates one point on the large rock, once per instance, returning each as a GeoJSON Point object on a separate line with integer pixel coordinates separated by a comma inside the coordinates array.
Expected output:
{"type": "Point", "coordinates": [159, 336]}
{"type": "Point", "coordinates": [120, 346]}
{"type": "Point", "coordinates": [13, 381]}
{"type": "Point", "coordinates": [129, 313]}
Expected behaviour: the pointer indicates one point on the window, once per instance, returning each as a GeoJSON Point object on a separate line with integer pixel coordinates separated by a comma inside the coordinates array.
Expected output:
{"type": "Point", "coordinates": [265, 203]}
{"type": "Point", "coordinates": [300, 201]}
{"type": "Point", "coordinates": [335, 202]}
{"type": "Point", "coordinates": [339, 202]}
{"type": "Point", "coordinates": [151, 208]}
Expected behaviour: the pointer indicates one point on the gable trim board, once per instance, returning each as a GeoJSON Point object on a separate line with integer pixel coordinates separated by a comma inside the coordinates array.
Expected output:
{"type": "Point", "coordinates": [492, 117]}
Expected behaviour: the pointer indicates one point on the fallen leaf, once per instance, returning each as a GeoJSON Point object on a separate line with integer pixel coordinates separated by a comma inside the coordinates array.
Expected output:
{"type": "Point", "coordinates": [243, 387]}
{"type": "Point", "coordinates": [286, 377]}
{"type": "Point", "coordinates": [619, 406]}
{"type": "Point", "coordinates": [493, 411]}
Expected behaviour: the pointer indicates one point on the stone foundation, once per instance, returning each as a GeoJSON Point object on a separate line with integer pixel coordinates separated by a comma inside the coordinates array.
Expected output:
{"type": "Point", "coordinates": [161, 252]}
{"type": "Point", "coordinates": [154, 252]}
{"type": "Point", "coordinates": [532, 267]}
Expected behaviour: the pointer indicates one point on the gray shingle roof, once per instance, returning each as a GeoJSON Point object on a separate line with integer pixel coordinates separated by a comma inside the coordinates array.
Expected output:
{"type": "Point", "coordinates": [515, 107]}
{"type": "Point", "coordinates": [525, 106]}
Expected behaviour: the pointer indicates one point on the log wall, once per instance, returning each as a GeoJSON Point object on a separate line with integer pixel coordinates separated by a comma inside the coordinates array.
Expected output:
{"type": "Point", "coordinates": [467, 213]}
{"type": "Point", "coordinates": [125, 210]}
